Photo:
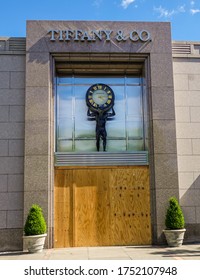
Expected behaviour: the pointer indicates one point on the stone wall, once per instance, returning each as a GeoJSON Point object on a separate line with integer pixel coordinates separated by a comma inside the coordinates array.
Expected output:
{"type": "Point", "coordinates": [186, 67]}
{"type": "Point", "coordinates": [19, 191]}
{"type": "Point", "coordinates": [12, 98]}
{"type": "Point", "coordinates": [156, 55]}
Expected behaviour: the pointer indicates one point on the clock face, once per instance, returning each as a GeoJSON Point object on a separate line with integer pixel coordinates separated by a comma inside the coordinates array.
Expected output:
{"type": "Point", "coordinates": [100, 96]}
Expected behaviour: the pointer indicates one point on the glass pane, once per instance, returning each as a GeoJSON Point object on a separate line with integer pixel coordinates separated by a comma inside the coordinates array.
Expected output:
{"type": "Point", "coordinates": [135, 145]}
{"type": "Point", "coordinates": [146, 117]}
{"type": "Point", "coordinates": [94, 80]}
{"type": "Point", "coordinates": [85, 145]}
{"type": "Point", "coordinates": [135, 129]}
{"type": "Point", "coordinates": [133, 80]}
{"type": "Point", "coordinates": [64, 101]}
{"type": "Point", "coordinates": [85, 130]}
{"type": "Point", "coordinates": [64, 146]}
{"type": "Point", "coordinates": [64, 80]}
{"type": "Point", "coordinates": [116, 125]}
{"type": "Point", "coordinates": [115, 146]}
{"type": "Point", "coordinates": [84, 127]}
{"type": "Point", "coordinates": [134, 105]}
{"type": "Point", "coordinates": [64, 128]}
{"type": "Point", "coordinates": [116, 129]}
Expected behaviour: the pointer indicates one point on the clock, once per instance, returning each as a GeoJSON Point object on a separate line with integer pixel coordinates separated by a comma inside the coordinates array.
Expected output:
{"type": "Point", "coordinates": [100, 96]}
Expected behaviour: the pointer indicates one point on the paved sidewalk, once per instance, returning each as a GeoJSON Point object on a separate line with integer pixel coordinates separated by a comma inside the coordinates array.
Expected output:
{"type": "Point", "coordinates": [185, 252]}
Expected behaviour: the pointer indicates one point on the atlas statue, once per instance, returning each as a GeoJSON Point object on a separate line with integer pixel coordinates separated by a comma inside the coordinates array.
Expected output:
{"type": "Point", "coordinates": [101, 117]}
{"type": "Point", "coordinates": [100, 102]}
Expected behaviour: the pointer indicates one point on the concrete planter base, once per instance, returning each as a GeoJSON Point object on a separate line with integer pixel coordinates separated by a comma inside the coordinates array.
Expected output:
{"type": "Point", "coordinates": [174, 237]}
{"type": "Point", "coordinates": [35, 243]}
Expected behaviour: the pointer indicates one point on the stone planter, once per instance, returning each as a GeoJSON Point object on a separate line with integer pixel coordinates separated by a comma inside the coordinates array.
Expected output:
{"type": "Point", "coordinates": [35, 243]}
{"type": "Point", "coordinates": [174, 237]}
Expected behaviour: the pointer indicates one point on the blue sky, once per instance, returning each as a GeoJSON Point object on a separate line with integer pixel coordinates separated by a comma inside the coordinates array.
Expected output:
{"type": "Point", "coordinates": [184, 15]}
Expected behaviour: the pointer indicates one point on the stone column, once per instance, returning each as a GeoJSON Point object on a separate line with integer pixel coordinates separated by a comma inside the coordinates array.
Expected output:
{"type": "Point", "coordinates": [38, 173]}
{"type": "Point", "coordinates": [163, 152]}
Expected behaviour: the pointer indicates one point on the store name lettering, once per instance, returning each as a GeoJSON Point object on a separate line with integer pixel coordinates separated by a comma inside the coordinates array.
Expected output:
{"type": "Point", "coordinates": [79, 35]}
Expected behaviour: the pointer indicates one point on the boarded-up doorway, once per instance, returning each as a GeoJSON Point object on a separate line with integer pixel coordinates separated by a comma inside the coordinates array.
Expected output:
{"type": "Point", "coordinates": [102, 206]}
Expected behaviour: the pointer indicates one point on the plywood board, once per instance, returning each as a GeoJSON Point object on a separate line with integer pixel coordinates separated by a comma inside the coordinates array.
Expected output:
{"type": "Point", "coordinates": [62, 209]}
{"type": "Point", "coordinates": [130, 211]}
{"type": "Point", "coordinates": [91, 208]}
{"type": "Point", "coordinates": [102, 206]}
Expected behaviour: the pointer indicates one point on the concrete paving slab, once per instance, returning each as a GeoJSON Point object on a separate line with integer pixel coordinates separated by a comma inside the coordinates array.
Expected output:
{"type": "Point", "coordinates": [185, 252]}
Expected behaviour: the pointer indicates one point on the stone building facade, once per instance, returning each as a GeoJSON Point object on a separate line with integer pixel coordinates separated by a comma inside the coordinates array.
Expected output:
{"type": "Point", "coordinates": [12, 105]}
{"type": "Point", "coordinates": [28, 162]}
{"type": "Point", "coordinates": [186, 67]}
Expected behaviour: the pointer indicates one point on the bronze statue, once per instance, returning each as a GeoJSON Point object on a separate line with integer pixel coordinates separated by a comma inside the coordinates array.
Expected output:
{"type": "Point", "coordinates": [101, 117]}
{"type": "Point", "coordinates": [100, 100]}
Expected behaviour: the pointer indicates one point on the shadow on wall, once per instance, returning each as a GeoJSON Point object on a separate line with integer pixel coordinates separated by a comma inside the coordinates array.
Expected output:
{"type": "Point", "coordinates": [190, 203]}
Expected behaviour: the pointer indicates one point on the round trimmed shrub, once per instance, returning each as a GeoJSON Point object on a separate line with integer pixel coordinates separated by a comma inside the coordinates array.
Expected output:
{"type": "Point", "coordinates": [35, 222]}
{"type": "Point", "coordinates": [174, 216]}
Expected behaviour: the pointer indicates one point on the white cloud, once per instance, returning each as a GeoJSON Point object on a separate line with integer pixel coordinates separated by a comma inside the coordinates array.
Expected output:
{"type": "Point", "coordinates": [164, 12]}
{"type": "Point", "coordinates": [181, 9]}
{"type": "Point", "coordinates": [97, 3]}
{"type": "Point", "coordinates": [194, 11]}
{"type": "Point", "coordinates": [126, 3]}
{"type": "Point", "coordinates": [169, 13]}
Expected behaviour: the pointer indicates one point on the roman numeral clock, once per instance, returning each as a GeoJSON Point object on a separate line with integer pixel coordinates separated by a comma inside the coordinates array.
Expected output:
{"type": "Point", "coordinates": [100, 100]}
{"type": "Point", "coordinates": [100, 97]}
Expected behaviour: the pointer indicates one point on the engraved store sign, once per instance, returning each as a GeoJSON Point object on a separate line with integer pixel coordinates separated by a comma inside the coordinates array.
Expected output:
{"type": "Point", "coordinates": [79, 35]}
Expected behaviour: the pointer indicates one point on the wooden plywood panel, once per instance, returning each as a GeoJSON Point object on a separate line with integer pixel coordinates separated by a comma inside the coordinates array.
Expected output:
{"type": "Point", "coordinates": [62, 209]}
{"type": "Point", "coordinates": [91, 208]}
{"type": "Point", "coordinates": [130, 206]}
{"type": "Point", "coordinates": [102, 206]}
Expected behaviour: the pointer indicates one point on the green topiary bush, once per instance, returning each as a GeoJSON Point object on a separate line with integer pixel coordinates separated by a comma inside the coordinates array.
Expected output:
{"type": "Point", "coordinates": [174, 216]}
{"type": "Point", "coordinates": [35, 222]}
